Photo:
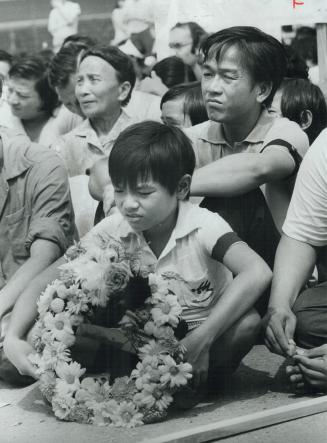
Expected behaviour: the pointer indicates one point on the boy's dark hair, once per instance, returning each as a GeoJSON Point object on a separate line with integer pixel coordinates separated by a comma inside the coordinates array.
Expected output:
{"type": "Point", "coordinates": [64, 63]}
{"type": "Point", "coordinates": [151, 149]}
{"type": "Point", "coordinates": [173, 71]}
{"type": "Point", "coordinates": [198, 34]}
{"type": "Point", "coordinates": [33, 67]}
{"type": "Point", "coordinates": [261, 54]}
{"type": "Point", "coordinates": [121, 63]}
{"type": "Point", "coordinates": [299, 95]}
{"type": "Point", "coordinates": [6, 57]}
{"type": "Point", "coordinates": [296, 66]}
{"type": "Point", "coordinates": [194, 105]}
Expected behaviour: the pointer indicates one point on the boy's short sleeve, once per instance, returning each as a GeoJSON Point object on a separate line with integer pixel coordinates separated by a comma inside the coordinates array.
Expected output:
{"type": "Point", "coordinates": [216, 235]}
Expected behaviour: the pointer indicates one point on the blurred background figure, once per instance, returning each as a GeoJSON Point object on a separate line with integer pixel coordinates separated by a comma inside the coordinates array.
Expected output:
{"type": "Point", "coordinates": [117, 18]}
{"type": "Point", "coordinates": [183, 106]}
{"type": "Point", "coordinates": [63, 21]}
{"type": "Point", "coordinates": [5, 65]}
{"type": "Point", "coordinates": [302, 102]}
{"type": "Point", "coordinates": [185, 40]}
{"type": "Point", "coordinates": [166, 73]}
{"type": "Point", "coordinates": [305, 43]}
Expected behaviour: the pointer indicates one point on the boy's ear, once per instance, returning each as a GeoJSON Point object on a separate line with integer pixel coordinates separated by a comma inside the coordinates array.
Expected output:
{"type": "Point", "coordinates": [264, 89]}
{"type": "Point", "coordinates": [305, 119]}
{"type": "Point", "coordinates": [124, 89]}
{"type": "Point", "coordinates": [183, 188]}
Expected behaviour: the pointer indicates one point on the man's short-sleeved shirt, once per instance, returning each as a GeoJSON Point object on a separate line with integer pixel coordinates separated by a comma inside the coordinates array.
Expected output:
{"type": "Point", "coordinates": [81, 147]}
{"type": "Point", "coordinates": [35, 201]}
{"type": "Point", "coordinates": [209, 144]}
{"type": "Point", "coordinates": [306, 219]}
{"type": "Point", "coordinates": [188, 253]}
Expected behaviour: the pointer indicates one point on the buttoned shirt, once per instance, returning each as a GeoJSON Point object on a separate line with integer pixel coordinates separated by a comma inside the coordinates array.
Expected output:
{"type": "Point", "coordinates": [188, 253]}
{"type": "Point", "coordinates": [210, 144]}
{"type": "Point", "coordinates": [82, 147]}
{"type": "Point", "coordinates": [34, 201]}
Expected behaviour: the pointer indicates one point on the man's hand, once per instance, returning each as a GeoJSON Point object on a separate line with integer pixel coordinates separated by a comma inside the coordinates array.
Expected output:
{"type": "Point", "coordinates": [197, 354]}
{"type": "Point", "coordinates": [17, 351]}
{"type": "Point", "coordinates": [279, 328]}
{"type": "Point", "coordinates": [313, 366]}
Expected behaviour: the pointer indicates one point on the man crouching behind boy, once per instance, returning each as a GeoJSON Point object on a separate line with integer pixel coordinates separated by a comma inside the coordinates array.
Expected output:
{"type": "Point", "coordinates": [151, 166]}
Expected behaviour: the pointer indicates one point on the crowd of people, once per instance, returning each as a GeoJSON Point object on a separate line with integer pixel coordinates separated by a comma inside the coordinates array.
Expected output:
{"type": "Point", "coordinates": [217, 170]}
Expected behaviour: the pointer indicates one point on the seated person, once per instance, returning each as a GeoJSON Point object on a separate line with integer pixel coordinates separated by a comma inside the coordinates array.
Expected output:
{"type": "Point", "coordinates": [34, 105]}
{"type": "Point", "coordinates": [297, 313]}
{"type": "Point", "coordinates": [151, 167]}
{"type": "Point", "coordinates": [302, 102]}
{"type": "Point", "coordinates": [183, 106]}
{"type": "Point", "coordinates": [37, 219]}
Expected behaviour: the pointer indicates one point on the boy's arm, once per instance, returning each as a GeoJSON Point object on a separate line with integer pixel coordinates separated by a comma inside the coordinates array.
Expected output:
{"type": "Point", "coordinates": [23, 317]}
{"type": "Point", "coordinates": [239, 173]}
{"type": "Point", "coordinates": [251, 277]}
{"type": "Point", "coordinates": [42, 254]}
{"type": "Point", "coordinates": [294, 263]}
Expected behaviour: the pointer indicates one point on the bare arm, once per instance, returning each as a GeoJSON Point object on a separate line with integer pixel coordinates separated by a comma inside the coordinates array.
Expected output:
{"type": "Point", "coordinates": [42, 254]}
{"type": "Point", "coordinates": [294, 263]}
{"type": "Point", "coordinates": [239, 173]}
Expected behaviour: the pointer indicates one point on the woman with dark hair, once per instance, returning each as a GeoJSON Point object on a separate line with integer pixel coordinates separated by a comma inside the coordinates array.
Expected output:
{"type": "Point", "coordinates": [183, 105]}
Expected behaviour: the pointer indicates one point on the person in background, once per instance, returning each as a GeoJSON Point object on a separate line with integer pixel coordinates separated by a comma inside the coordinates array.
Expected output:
{"type": "Point", "coordinates": [183, 106]}
{"type": "Point", "coordinates": [303, 102]}
{"type": "Point", "coordinates": [63, 21]}
{"type": "Point", "coordinates": [166, 73]}
{"type": "Point", "coordinates": [37, 218]}
{"type": "Point", "coordinates": [117, 18]}
{"type": "Point", "coordinates": [296, 322]}
{"type": "Point", "coordinates": [185, 40]}
{"type": "Point", "coordinates": [34, 105]}
{"type": "Point", "coordinates": [6, 60]}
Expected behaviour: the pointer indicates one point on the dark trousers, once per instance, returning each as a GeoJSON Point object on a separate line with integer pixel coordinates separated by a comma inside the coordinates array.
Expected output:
{"type": "Point", "coordinates": [250, 217]}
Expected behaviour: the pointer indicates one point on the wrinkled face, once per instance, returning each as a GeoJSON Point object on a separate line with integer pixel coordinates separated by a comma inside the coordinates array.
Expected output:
{"type": "Point", "coordinates": [25, 102]}
{"type": "Point", "coordinates": [67, 96]}
{"type": "Point", "coordinates": [228, 90]}
{"type": "Point", "coordinates": [172, 114]}
{"type": "Point", "coordinates": [98, 90]}
{"type": "Point", "coordinates": [180, 42]}
{"type": "Point", "coordinates": [147, 206]}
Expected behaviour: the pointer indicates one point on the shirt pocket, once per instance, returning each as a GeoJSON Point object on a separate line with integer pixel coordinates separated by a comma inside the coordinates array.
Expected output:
{"type": "Point", "coordinates": [18, 223]}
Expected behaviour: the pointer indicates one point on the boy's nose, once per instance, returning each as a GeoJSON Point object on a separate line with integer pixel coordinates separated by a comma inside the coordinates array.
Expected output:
{"type": "Point", "coordinates": [130, 202]}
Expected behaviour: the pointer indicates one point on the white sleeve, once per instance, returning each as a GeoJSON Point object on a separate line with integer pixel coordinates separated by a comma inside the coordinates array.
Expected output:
{"type": "Point", "coordinates": [306, 218]}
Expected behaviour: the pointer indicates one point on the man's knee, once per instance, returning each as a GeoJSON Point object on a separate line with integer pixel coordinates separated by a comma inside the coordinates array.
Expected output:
{"type": "Point", "coordinates": [310, 309]}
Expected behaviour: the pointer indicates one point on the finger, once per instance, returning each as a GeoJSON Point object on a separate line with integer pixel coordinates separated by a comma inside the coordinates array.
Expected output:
{"type": "Point", "coordinates": [273, 344]}
{"type": "Point", "coordinates": [316, 364]}
{"type": "Point", "coordinates": [311, 374]}
{"type": "Point", "coordinates": [290, 329]}
{"type": "Point", "coordinates": [296, 378]}
{"type": "Point", "coordinates": [292, 369]}
{"type": "Point", "coordinates": [316, 352]}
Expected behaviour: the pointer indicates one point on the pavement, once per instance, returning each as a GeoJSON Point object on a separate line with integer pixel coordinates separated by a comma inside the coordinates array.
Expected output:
{"type": "Point", "coordinates": [259, 384]}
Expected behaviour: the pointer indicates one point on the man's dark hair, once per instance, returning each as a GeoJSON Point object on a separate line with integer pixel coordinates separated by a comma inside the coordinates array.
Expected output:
{"type": "Point", "coordinates": [194, 105]}
{"type": "Point", "coordinates": [198, 34]}
{"type": "Point", "coordinates": [121, 63]}
{"type": "Point", "coordinates": [296, 66]}
{"type": "Point", "coordinates": [261, 54]}
{"type": "Point", "coordinates": [33, 67]}
{"type": "Point", "coordinates": [299, 95]}
{"type": "Point", "coordinates": [151, 149]}
{"type": "Point", "coordinates": [64, 63]}
{"type": "Point", "coordinates": [6, 57]}
{"type": "Point", "coordinates": [173, 71]}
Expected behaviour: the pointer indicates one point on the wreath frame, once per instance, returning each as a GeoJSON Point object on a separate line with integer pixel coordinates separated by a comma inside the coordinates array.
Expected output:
{"type": "Point", "coordinates": [97, 269]}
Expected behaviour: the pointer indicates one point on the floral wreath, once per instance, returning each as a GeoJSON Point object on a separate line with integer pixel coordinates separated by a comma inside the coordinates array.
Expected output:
{"type": "Point", "coordinates": [96, 270]}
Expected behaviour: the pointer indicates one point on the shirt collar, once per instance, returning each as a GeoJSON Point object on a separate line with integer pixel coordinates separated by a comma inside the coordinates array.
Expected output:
{"type": "Point", "coordinates": [215, 133]}
{"type": "Point", "coordinates": [185, 224]}
{"type": "Point", "coordinates": [15, 146]}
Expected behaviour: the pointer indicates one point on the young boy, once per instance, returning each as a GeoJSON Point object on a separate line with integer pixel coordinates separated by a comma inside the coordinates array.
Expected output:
{"type": "Point", "coordinates": [151, 167]}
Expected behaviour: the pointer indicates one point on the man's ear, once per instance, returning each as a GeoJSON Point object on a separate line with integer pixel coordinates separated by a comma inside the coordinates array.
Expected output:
{"type": "Point", "coordinates": [305, 119]}
{"type": "Point", "coordinates": [124, 90]}
{"type": "Point", "coordinates": [183, 188]}
{"type": "Point", "coordinates": [264, 89]}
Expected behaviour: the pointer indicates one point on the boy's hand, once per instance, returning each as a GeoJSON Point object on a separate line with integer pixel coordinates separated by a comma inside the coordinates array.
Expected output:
{"type": "Point", "coordinates": [197, 354]}
{"type": "Point", "coordinates": [17, 351]}
{"type": "Point", "coordinates": [313, 366]}
{"type": "Point", "coordinates": [279, 327]}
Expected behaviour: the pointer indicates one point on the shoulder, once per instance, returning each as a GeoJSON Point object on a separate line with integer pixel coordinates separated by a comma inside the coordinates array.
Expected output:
{"type": "Point", "coordinates": [112, 226]}
{"type": "Point", "coordinates": [288, 131]}
{"type": "Point", "coordinates": [202, 130]}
